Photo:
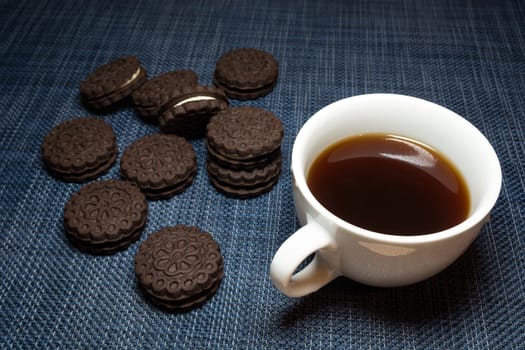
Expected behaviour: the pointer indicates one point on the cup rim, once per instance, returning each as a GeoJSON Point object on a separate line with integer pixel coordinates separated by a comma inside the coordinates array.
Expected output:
{"type": "Point", "coordinates": [478, 216]}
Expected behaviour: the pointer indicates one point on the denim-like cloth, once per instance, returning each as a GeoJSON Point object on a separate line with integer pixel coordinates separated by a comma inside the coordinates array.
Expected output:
{"type": "Point", "coordinates": [467, 56]}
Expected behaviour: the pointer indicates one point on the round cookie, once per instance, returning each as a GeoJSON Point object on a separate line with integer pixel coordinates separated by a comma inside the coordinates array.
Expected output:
{"type": "Point", "coordinates": [148, 98]}
{"type": "Point", "coordinates": [105, 216]}
{"type": "Point", "coordinates": [179, 268]}
{"type": "Point", "coordinates": [244, 133]}
{"type": "Point", "coordinates": [244, 151]}
{"type": "Point", "coordinates": [246, 73]}
{"type": "Point", "coordinates": [112, 82]}
{"type": "Point", "coordinates": [79, 149]}
{"type": "Point", "coordinates": [162, 165]}
{"type": "Point", "coordinates": [189, 109]}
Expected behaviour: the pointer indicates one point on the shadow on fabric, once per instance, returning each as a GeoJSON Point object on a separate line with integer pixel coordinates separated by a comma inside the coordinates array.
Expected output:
{"type": "Point", "coordinates": [439, 297]}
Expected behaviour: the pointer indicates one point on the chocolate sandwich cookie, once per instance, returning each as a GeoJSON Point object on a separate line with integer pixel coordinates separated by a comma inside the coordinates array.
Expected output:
{"type": "Point", "coordinates": [244, 192]}
{"type": "Point", "coordinates": [162, 165]}
{"type": "Point", "coordinates": [148, 98]}
{"type": "Point", "coordinates": [105, 216]}
{"type": "Point", "coordinates": [244, 178]}
{"type": "Point", "coordinates": [244, 133]}
{"type": "Point", "coordinates": [246, 73]}
{"type": "Point", "coordinates": [237, 164]}
{"type": "Point", "coordinates": [179, 268]}
{"type": "Point", "coordinates": [112, 82]}
{"type": "Point", "coordinates": [188, 110]}
{"type": "Point", "coordinates": [244, 183]}
{"type": "Point", "coordinates": [244, 157]}
{"type": "Point", "coordinates": [79, 149]}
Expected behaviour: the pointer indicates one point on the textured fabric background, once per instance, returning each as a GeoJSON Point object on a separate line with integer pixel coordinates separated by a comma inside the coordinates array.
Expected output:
{"type": "Point", "coordinates": [468, 56]}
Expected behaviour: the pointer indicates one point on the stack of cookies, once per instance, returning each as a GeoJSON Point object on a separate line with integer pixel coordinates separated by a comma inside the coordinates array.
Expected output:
{"type": "Point", "coordinates": [244, 151]}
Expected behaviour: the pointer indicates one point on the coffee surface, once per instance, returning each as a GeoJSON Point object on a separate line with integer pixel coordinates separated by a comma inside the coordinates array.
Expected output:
{"type": "Point", "coordinates": [389, 184]}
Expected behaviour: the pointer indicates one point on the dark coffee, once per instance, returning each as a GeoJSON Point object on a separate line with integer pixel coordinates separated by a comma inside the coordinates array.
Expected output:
{"type": "Point", "coordinates": [389, 184]}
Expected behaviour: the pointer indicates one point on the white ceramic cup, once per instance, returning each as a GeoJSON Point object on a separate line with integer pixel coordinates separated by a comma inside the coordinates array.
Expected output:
{"type": "Point", "coordinates": [372, 258]}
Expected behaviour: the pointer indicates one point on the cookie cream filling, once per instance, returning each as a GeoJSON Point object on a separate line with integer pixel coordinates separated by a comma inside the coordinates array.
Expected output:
{"type": "Point", "coordinates": [191, 97]}
{"type": "Point", "coordinates": [131, 79]}
{"type": "Point", "coordinates": [194, 99]}
{"type": "Point", "coordinates": [128, 82]}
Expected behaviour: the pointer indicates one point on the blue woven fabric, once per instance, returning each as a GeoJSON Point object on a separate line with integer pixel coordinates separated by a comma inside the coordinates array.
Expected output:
{"type": "Point", "coordinates": [467, 56]}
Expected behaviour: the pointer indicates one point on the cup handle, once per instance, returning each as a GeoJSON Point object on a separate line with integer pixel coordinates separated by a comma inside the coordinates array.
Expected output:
{"type": "Point", "coordinates": [305, 241]}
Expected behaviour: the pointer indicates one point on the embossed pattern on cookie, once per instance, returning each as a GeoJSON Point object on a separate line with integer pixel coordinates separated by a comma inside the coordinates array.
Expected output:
{"type": "Point", "coordinates": [105, 216]}
{"type": "Point", "coordinates": [244, 132]}
{"type": "Point", "coordinates": [79, 149]}
{"type": "Point", "coordinates": [246, 73]}
{"type": "Point", "coordinates": [162, 165]}
{"type": "Point", "coordinates": [179, 268]}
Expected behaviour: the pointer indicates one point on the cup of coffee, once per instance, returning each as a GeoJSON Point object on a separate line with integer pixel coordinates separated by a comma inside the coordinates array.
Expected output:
{"type": "Point", "coordinates": [389, 190]}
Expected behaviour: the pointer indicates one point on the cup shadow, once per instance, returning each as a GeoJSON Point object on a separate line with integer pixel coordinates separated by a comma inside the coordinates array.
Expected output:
{"type": "Point", "coordinates": [431, 299]}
